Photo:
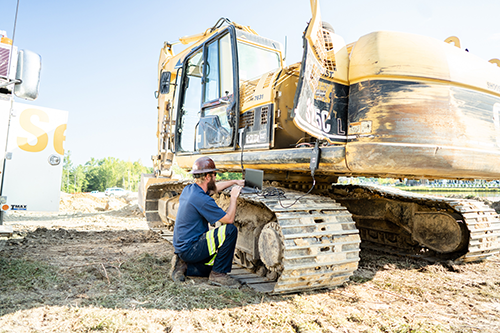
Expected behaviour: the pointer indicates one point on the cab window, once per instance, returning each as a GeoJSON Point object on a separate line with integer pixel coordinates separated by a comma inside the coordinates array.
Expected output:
{"type": "Point", "coordinates": [191, 102]}
{"type": "Point", "coordinates": [207, 98]}
{"type": "Point", "coordinates": [256, 61]}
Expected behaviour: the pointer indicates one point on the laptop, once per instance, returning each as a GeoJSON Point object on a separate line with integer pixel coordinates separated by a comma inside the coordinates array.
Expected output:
{"type": "Point", "coordinates": [253, 181]}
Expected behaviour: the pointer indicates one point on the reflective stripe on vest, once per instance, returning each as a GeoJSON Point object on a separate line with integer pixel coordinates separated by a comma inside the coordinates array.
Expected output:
{"type": "Point", "coordinates": [212, 249]}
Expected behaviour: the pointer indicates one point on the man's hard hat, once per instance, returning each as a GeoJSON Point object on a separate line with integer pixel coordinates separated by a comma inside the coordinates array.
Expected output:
{"type": "Point", "coordinates": [203, 165]}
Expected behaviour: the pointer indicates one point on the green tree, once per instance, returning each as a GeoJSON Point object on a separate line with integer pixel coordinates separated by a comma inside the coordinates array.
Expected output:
{"type": "Point", "coordinates": [67, 173]}
{"type": "Point", "coordinates": [80, 179]}
{"type": "Point", "coordinates": [97, 175]}
{"type": "Point", "coordinates": [229, 175]}
{"type": "Point", "coordinates": [92, 176]}
{"type": "Point", "coordinates": [109, 172]}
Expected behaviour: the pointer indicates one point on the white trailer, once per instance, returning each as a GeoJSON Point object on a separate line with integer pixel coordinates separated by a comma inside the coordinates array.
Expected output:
{"type": "Point", "coordinates": [31, 138]}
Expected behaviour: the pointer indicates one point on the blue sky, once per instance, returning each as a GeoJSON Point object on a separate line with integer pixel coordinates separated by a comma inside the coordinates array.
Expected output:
{"type": "Point", "coordinates": [99, 58]}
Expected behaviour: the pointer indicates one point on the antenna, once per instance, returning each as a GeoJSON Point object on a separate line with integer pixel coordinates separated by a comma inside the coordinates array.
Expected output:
{"type": "Point", "coordinates": [284, 58]}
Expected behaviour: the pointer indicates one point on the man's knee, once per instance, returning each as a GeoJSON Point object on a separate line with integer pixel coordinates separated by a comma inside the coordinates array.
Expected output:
{"type": "Point", "coordinates": [230, 234]}
{"type": "Point", "coordinates": [231, 230]}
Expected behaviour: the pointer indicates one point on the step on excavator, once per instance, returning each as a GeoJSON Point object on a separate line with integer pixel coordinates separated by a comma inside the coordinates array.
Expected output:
{"type": "Point", "coordinates": [431, 110]}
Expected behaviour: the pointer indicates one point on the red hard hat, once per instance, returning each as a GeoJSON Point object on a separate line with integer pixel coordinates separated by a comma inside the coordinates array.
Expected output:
{"type": "Point", "coordinates": [203, 165]}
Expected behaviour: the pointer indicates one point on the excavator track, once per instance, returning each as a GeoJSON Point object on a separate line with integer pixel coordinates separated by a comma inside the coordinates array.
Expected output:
{"type": "Point", "coordinates": [310, 244]}
{"type": "Point", "coordinates": [480, 224]}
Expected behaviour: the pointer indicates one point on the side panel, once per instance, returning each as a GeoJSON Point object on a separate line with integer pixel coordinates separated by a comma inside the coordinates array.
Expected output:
{"type": "Point", "coordinates": [423, 129]}
{"type": "Point", "coordinates": [33, 169]}
{"type": "Point", "coordinates": [423, 108]}
{"type": "Point", "coordinates": [256, 125]}
{"type": "Point", "coordinates": [332, 160]}
{"type": "Point", "coordinates": [322, 91]}
{"type": "Point", "coordinates": [322, 111]}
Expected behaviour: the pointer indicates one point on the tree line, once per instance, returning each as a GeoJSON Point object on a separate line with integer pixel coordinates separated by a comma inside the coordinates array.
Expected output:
{"type": "Point", "coordinates": [97, 175]}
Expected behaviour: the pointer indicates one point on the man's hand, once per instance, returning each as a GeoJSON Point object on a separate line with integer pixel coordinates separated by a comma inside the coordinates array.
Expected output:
{"type": "Point", "coordinates": [231, 210]}
{"type": "Point", "coordinates": [235, 192]}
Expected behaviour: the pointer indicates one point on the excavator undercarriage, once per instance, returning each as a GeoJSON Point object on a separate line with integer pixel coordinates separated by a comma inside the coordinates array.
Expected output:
{"type": "Point", "coordinates": [288, 245]}
{"type": "Point", "coordinates": [461, 230]}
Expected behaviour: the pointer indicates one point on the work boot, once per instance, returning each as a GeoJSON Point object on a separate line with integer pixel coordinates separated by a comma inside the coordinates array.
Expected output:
{"type": "Point", "coordinates": [223, 280]}
{"type": "Point", "coordinates": [179, 268]}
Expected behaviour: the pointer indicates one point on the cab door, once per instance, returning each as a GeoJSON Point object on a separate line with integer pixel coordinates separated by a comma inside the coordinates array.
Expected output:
{"type": "Point", "coordinates": [208, 99]}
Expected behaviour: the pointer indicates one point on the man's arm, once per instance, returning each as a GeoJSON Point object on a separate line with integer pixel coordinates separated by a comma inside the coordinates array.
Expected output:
{"type": "Point", "coordinates": [231, 210]}
{"type": "Point", "coordinates": [225, 184]}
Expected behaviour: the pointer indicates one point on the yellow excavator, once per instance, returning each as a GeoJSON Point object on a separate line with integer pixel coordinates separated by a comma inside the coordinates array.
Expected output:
{"type": "Point", "coordinates": [390, 104]}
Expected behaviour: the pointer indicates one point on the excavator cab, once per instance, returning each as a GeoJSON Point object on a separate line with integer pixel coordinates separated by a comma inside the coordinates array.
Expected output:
{"type": "Point", "coordinates": [215, 81]}
{"type": "Point", "coordinates": [207, 117]}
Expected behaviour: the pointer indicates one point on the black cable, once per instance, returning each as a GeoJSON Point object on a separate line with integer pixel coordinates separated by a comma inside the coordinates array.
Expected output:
{"type": "Point", "coordinates": [243, 141]}
{"type": "Point", "coordinates": [313, 166]}
{"type": "Point", "coordinates": [273, 191]}
{"type": "Point", "coordinates": [220, 22]}
{"type": "Point", "coordinates": [279, 200]}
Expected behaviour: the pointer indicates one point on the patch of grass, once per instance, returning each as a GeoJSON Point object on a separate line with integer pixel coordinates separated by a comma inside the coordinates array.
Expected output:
{"type": "Point", "coordinates": [143, 282]}
{"type": "Point", "coordinates": [355, 318]}
{"type": "Point", "coordinates": [94, 320]}
{"type": "Point", "coordinates": [359, 279]}
{"type": "Point", "coordinates": [103, 325]}
{"type": "Point", "coordinates": [309, 326]}
{"type": "Point", "coordinates": [20, 274]}
{"type": "Point", "coordinates": [24, 283]}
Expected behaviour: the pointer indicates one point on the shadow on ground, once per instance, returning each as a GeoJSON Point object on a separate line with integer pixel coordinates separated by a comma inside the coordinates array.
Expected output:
{"type": "Point", "coordinates": [124, 269]}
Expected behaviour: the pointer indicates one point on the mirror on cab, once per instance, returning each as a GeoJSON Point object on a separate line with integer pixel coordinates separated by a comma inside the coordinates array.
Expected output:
{"type": "Point", "coordinates": [29, 65]}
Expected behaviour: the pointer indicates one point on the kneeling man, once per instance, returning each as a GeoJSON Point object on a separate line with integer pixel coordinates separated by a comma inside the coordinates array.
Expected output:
{"type": "Point", "coordinates": [198, 250]}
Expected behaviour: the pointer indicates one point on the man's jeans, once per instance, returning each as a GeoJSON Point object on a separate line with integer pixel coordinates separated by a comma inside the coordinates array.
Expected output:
{"type": "Point", "coordinates": [214, 250]}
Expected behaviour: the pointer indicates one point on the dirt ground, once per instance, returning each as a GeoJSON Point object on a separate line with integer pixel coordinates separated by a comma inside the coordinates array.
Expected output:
{"type": "Point", "coordinates": [97, 268]}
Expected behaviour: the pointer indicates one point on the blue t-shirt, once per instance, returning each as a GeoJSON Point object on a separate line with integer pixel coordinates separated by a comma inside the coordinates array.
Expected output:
{"type": "Point", "coordinates": [196, 210]}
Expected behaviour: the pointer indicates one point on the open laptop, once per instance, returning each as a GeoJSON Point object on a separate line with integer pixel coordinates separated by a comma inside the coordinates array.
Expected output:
{"type": "Point", "coordinates": [253, 181]}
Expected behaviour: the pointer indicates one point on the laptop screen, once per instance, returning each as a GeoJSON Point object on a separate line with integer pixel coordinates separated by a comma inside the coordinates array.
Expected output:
{"type": "Point", "coordinates": [254, 178]}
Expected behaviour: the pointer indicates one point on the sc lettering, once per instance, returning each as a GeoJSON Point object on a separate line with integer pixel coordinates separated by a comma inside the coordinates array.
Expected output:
{"type": "Point", "coordinates": [42, 138]}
